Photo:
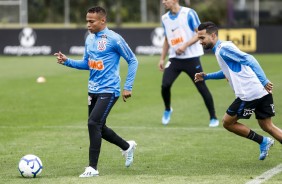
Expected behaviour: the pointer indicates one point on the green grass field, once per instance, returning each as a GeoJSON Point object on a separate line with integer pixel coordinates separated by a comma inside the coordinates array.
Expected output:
{"type": "Point", "coordinates": [50, 121]}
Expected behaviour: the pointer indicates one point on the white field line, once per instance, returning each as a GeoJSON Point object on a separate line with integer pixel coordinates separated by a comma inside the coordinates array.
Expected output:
{"type": "Point", "coordinates": [266, 175]}
{"type": "Point", "coordinates": [124, 127]}
{"type": "Point", "coordinates": [119, 127]}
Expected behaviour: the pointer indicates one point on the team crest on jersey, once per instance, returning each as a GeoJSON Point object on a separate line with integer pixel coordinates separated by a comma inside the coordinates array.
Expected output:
{"type": "Point", "coordinates": [101, 45]}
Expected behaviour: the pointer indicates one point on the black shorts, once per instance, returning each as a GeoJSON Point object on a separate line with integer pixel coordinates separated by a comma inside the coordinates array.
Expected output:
{"type": "Point", "coordinates": [263, 108]}
{"type": "Point", "coordinates": [175, 66]}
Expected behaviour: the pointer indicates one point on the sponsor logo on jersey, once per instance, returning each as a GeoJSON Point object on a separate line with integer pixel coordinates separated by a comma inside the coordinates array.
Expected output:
{"type": "Point", "coordinates": [104, 36]}
{"type": "Point", "coordinates": [96, 65]}
{"type": "Point", "coordinates": [93, 86]}
{"type": "Point", "coordinates": [176, 41]}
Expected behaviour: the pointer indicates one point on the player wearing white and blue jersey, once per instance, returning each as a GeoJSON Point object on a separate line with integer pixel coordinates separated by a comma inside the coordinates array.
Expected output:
{"type": "Point", "coordinates": [245, 75]}
{"type": "Point", "coordinates": [179, 28]}
{"type": "Point", "coordinates": [184, 50]}
{"type": "Point", "coordinates": [103, 49]}
{"type": "Point", "coordinates": [252, 89]}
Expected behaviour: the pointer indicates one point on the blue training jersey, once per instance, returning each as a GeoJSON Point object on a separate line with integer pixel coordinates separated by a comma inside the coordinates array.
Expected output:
{"type": "Point", "coordinates": [102, 57]}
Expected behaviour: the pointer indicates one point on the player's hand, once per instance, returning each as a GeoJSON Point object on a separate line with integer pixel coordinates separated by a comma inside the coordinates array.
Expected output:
{"type": "Point", "coordinates": [161, 65]}
{"type": "Point", "coordinates": [180, 50]}
{"type": "Point", "coordinates": [199, 76]}
{"type": "Point", "coordinates": [269, 87]}
{"type": "Point", "coordinates": [126, 94]}
{"type": "Point", "coordinates": [61, 58]}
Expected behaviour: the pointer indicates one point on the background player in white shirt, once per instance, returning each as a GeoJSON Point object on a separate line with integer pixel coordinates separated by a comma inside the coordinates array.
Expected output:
{"type": "Point", "coordinates": [181, 41]}
{"type": "Point", "coordinates": [252, 89]}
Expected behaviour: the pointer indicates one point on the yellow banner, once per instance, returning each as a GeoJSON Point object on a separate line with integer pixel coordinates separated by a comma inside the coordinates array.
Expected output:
{"type": "Point", "coordinates": [244, 39]}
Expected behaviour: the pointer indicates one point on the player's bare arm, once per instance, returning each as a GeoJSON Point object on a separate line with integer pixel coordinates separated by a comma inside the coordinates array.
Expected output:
{"type": "Point", "coordinates": [163, 56]}
{"type": "Point", "coordinates": [126, 94]}
{"type": "Point", "coordinates": [199, 76]}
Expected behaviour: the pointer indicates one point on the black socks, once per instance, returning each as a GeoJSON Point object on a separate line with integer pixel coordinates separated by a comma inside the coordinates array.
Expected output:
{"type": "Point", "coordinates": [255, 137]}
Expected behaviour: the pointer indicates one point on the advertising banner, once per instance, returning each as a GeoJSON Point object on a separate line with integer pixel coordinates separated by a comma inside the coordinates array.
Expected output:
{"type": "Point", "coordinates": [143, 41]}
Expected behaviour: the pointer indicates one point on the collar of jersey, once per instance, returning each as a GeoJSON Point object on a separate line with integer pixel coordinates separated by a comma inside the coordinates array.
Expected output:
{"type": "Point", "coordinates": [215, 46]}
{"type": "Point", "coordinates": [174, 16]}
{"type": "Point", "coordinates": [101, 32]}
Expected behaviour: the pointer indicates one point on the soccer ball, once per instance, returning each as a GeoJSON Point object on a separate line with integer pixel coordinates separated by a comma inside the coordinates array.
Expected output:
{"type": "Point", "coordinates": [30, 166]}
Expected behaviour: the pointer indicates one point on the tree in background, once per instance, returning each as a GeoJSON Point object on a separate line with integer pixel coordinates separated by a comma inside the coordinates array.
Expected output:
{"type": "Point", "coordinates": [46, 11]}
{"type": "Point", "coordinates": [125, 11]}
{"type": "Point", "coordinates": [211, 10]}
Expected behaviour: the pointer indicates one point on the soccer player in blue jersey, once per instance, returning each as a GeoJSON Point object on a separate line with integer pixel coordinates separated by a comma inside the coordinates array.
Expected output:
{"type": "Point", "coordinates": [103, 49]}
{"type": "Point", "coordinates": [184, 50]}
{"type": "Point", "coordinates": [252, 89]}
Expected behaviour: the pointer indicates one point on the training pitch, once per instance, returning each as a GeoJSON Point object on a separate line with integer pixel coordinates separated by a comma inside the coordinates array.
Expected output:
{"type": "Point", "coordinates": [50, 120]}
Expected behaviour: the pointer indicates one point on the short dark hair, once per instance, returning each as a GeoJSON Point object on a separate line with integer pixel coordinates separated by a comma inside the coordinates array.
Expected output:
{"type": "Point", "coordinates": [98, 10]}
{"type": "Point", "coordinates": [209, 26]}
